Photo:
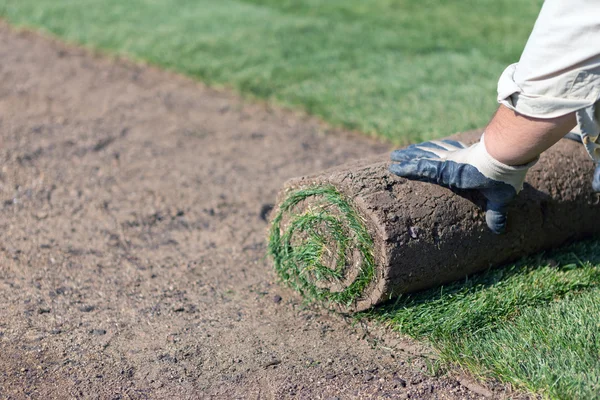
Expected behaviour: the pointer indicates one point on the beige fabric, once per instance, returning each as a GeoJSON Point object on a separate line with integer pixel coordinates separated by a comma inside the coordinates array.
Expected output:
{"type": "Point", "coordinates": [559, 70]}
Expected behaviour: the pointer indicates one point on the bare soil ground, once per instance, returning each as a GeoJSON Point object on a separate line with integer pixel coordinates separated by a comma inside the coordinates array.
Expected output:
{"type": "Point", "coordinates": [132, 242]}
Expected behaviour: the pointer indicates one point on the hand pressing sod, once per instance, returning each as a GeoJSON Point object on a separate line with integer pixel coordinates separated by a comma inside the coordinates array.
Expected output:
{"type": "Point", "coordinates": [452, 164]}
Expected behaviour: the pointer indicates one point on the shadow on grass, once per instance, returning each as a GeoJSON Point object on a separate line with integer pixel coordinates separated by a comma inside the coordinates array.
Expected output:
{"type": "Point", "coordinates": [494, 296]}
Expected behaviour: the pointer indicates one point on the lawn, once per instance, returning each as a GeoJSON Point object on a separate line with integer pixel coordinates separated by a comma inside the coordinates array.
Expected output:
{"type": "Point", "coordinates": [534, 324]}
{"type": "Point", "coordinates": [406, 70]}
{"type": "Point", "coordinates": [403, 70]}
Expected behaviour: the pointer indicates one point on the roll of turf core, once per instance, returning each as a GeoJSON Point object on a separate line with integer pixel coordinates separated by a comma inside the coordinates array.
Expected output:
{"type": "Point", "coordinates": [357, 235]}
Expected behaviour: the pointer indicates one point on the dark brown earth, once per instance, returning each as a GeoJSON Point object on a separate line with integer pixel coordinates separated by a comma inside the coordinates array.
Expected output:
{"type": "Point", "coordinates": [425, 235]}
{"type": "Point", "coordinates": [132, 243]}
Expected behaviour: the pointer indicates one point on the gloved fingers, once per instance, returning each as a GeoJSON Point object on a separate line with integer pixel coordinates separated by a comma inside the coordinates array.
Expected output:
{"type": "Point", "coordinates": [450, 145]}
{"type": "Point", "coordinates": [431, 149]}
{"type": "Point", "coordinates": [496, 215]}
{"type": "Point", "coordinates": [432, 145]}
{"type": "Point", "coordinates": [496, 221]}
{"type": "Point", "coordinates": [412, 152]}
{"type": "Point", "coordinates": [462, 176]}
{"type": "Point", "coordinates": [437, 148]}
{"type": "Point", "coordinates": [456, 143]}
{"type": "Point", "coordinates": [422, 169]}
{"type": "Point", "coordinates": [441, 148]}
{"type": "Point", "coordinates": [446, 173]}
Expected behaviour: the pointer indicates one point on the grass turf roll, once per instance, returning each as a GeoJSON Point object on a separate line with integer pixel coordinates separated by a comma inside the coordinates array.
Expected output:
{"type": "Point", "coordinates": [356, 235]}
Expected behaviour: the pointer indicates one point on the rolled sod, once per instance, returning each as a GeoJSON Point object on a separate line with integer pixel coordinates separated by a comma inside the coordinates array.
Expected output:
{"type": "Point", "coordinates": [356, 235]}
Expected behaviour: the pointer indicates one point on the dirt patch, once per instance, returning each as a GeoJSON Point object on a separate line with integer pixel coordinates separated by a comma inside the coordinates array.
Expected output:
{"type": "Point", "coordinates": [132, 242]}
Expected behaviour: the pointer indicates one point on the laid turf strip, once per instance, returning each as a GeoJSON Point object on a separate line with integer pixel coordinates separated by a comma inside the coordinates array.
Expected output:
{"type": "Point", "coordinates": [405, 70]}
{"type": "Point", "coordinates": [534, 324]}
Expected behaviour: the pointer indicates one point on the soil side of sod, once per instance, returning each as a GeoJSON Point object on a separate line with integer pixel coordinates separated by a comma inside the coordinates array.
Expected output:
{"type": "Point", "coordinates": [132, 248]}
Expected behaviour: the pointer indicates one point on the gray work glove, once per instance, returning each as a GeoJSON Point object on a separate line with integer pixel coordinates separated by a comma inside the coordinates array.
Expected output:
{"type": "Point", "coordinates": [452, 164]}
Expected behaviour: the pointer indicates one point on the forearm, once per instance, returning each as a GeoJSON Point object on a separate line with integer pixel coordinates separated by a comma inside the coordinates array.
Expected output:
{"type": "Point", "coordinates": [554, 86]}
{"type": "Point", "coordinates": [515, 139]}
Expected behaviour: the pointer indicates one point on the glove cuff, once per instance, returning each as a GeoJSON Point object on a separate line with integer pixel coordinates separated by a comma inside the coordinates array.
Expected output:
{"type": "Point", "coordinates": [494, 169]}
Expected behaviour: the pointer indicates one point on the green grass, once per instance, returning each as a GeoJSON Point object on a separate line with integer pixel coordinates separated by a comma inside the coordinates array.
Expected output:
{"type": "Point", "coordinates": [328, 230]}
{"type": "Point", "coordinates": [534, 325]}
{"type": "Point", "coordinates": [406, 70]}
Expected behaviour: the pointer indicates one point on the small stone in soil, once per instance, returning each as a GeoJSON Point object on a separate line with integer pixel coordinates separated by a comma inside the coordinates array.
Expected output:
{"type": "Point", "coordinates": [400, 381]}
{"type": "Point", "coordinates": [87, 308]}
{"type": "Point", "coordinates": [416, 380]}
{"type": "Point", "coordinates": [272, 363]}
{"type": "Point", "coordinates": [277, 299]}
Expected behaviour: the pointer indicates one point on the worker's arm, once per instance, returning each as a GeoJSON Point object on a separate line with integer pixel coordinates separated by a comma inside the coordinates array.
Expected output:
{"type": "Point", "coordinates": [515, 139]}
{"type": "Point", "coordinates": [555, 86]}
{"type": "Point", "coordinates": [496, 166]}
{"type": "Point", "coordinates": [559, 70]}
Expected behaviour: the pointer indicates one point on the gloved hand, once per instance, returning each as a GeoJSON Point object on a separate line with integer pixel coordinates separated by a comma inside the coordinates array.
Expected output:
{"type": "Point", "coordinates": [452, 164]}
{"type": "Point", "coordinates": [596, 179]}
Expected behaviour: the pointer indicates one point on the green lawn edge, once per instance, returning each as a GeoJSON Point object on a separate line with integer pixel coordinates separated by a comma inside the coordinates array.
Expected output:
{"type": "Point", "coordinates": [404, 71]}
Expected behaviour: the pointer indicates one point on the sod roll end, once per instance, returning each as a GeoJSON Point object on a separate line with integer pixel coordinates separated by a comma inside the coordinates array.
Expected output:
{"type": "Point", "coordinates": [356, 235]}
